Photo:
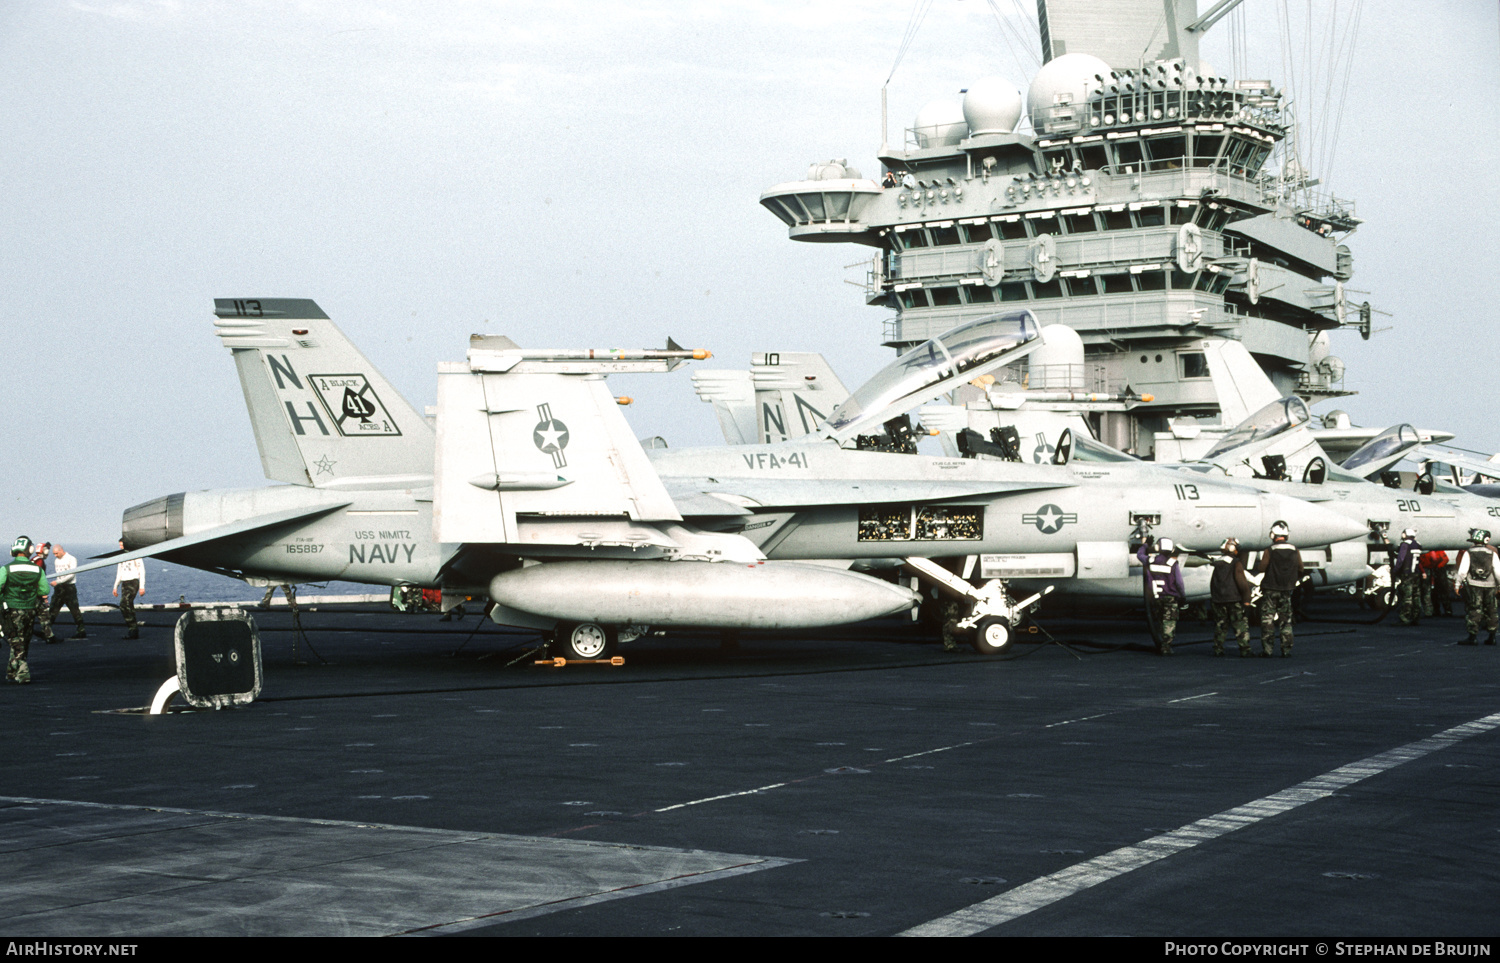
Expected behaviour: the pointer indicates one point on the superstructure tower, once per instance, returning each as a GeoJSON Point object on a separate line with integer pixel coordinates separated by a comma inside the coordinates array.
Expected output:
{"type": "Point", "coordinates": [1126, 195]}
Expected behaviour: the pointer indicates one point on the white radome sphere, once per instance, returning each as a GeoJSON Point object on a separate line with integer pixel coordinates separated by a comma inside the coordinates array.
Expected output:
{"type": "Point", "coordinates": [1072, 74]}
{"type": "Point", "coordinates": [1061, 345]}
{"type": "Point", "coordinates": [992, 106]}
{"type": "Point", "coordinates": [940, 124]}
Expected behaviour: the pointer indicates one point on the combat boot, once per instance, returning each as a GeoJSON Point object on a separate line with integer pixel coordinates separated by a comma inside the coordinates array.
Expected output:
{"type": "Point", "coordinates": [1471, 640]}
{"type": "Point", "coordinates": [80, 634]}
{"type": "Point", "coordinates": [134, 633]}
{"type": "Point", "coordinates": [1491, 639]}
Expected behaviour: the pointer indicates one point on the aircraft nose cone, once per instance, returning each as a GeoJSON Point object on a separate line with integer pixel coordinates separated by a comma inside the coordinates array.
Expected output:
{"type": "Point", "coordinates": [1311, 524]}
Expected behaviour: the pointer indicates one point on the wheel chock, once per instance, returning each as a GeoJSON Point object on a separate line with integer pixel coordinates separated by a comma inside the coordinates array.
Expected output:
{"type": "Point", "coordinates": [559, 662]}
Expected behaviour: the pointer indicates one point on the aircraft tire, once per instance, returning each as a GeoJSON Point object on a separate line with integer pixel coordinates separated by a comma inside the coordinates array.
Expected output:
{"type": "Point", "coordinates": [585, 640]}
{"type": "Point", "coordinates": [992, 636]}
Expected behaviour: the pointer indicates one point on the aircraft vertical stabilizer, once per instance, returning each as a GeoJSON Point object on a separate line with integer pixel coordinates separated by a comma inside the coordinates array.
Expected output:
{"type": "Point", "coordinates": [533, 438]}
{"type": "Point", "coordinates": [795, 392]}
{"type": "Point", "coordinates": [1242, 387]}
{"type": "Point", "coordinates": [322, 414]}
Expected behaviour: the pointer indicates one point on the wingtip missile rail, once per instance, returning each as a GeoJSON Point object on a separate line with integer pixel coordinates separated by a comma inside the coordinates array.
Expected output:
{"type": "Point", "coordinates": [487, 355]}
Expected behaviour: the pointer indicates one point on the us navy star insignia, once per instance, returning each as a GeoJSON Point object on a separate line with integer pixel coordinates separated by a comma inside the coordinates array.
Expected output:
{"type": "Point", "coordinates": [1049, 519]}
{"type": "Point", "coordinates": [325, 464]}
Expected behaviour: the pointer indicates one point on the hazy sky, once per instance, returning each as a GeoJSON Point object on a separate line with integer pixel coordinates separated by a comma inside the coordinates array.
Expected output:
{"type": "Point", "coordinates": [574, 175]}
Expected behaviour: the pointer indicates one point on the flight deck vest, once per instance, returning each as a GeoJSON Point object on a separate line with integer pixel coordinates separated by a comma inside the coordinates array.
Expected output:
{"type": "Point", "coordinates": [23, 580]}
{"type": "Point", "coordinates": [1481, 566]}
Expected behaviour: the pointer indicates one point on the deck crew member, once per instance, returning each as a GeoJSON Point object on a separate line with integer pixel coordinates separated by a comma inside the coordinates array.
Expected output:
{"type": "Point", "coordinates": [1408, 578]}
{"type": "Point", "coordinates": [130, 581]}
{"type": "Point", "coordinates": [64, 592]}
{"type": "Point", "coordinates": [1477, 581]}
{"type": "Point", "coordinates": [1164, 581]}
{"type": "Point", "coordinates": [1437, 598]}
{"type": "Point", "coordinates": [23, 588]}
{"type": "Point", "coordinates": [1281, 569]}
{"type": "Point", "coordinates": [1230, 591]}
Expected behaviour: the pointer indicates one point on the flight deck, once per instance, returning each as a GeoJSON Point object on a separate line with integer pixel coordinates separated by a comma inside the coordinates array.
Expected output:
{"type": "Point", "coordinates": [405, 776]}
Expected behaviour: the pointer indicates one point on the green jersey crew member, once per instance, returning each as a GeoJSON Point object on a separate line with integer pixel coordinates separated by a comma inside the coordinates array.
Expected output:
{"type": "Point", "coordinates": [23, 589]}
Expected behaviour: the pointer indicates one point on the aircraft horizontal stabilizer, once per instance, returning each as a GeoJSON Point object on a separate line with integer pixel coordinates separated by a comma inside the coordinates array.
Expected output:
{"type": "Point", "coordinates": [242, 527]}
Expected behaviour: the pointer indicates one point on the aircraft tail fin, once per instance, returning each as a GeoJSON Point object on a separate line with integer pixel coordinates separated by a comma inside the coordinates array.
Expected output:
{"type": "Point", "coordinates": [322, 414]}
{"type": "Point", "coordinates": [1242, 387]}
{"type": "Point", "coordinates": [733, 396]}
{"type": "Point", "coordinates": [795, 391]}
{"type": "Point", "coordinates": [532, 449]}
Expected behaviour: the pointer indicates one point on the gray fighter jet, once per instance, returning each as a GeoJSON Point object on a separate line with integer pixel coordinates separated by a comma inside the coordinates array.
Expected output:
{"type": "Point", "coordinates": [537, 495]}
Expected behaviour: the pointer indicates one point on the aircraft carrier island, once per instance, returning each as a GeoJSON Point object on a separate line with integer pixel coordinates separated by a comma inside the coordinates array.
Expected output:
{"type": "Point", "coordinates": [1126, 194]}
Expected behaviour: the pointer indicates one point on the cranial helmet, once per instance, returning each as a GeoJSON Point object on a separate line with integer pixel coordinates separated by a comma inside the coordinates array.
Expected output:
{"type": "Point", "coordinates": [1408, 533]}
{"type": "Point", "coordinates": [1165, 545]}
{"type": "Point", "coordinates": [1479, 536]}
{"type": "Point", "coordinates": [1231, 545]}
{"type": "Point", "coordinates": [21, 546]}
{"type": "Point", "coordinates": [1280, 530]}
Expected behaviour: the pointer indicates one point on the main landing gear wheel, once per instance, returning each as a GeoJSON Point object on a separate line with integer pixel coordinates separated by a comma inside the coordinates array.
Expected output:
{"type": "Point", "coordinates": [585, 640]}
{"type": "Point", "coordinates": [992, 636]}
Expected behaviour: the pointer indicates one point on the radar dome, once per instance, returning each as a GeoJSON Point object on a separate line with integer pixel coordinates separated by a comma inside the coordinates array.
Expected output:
{"type": "Point", "coordinates": [940, 124]}
{"type": "Point", "coordinates": [1072, 77]}
{"type": "Point", "coordinates": [1058, 363]}
{"type": "Point", "coordinates": [992, 106]}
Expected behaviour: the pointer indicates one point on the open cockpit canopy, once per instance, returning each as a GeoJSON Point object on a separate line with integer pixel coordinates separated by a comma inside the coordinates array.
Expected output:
{"type": "Point", "coordinates": [933, 368]}
{"type": "Point", "coordinates": [1276, 418]}
{"type": "Point", "coordinates": [1382, 451]}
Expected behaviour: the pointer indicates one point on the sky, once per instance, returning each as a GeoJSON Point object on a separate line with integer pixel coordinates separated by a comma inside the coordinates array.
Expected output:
{"type": "Point", "coordinates": [586, 175]}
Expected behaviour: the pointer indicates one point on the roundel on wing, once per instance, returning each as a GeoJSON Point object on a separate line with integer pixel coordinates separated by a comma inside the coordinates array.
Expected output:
{"type": "Point", "coordinates": [550, 435]}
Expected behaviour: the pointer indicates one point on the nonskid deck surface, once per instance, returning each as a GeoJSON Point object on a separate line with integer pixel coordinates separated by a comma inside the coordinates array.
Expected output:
{"type": "Point", "coordinates": [429, 778]}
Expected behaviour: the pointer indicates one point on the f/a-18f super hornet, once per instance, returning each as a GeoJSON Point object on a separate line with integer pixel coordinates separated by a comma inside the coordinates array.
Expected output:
{"type": "Point", "coordinates": [542, 500]}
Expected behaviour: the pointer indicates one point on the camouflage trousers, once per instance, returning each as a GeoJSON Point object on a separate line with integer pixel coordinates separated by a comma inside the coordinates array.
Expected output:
{"type": "Point", "coordinates": [128, 591]}
{"type": "Point", "coordinates": [1409, 599]}
{"type": "Point", "coordinates": [1479, 609]}
{"type": "Point", "coordinates": [1276, 618]}
{"type": "Point", "coordinates": [1231, 617]}
{"type": "Point", "coordinates": [1164, 612]}
{"type": "Point", "coordinates": [18, 623]}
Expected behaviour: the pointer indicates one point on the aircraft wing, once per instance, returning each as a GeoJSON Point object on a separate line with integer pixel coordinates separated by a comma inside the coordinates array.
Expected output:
{"type": "Point", "coordinates": [795, 493]}
{"type": "Point", "coordinates": [1469, 463]}
{"type": "Point", "coordinates": [241, 527]}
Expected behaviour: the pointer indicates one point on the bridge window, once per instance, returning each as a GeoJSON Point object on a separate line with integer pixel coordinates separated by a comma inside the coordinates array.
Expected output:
{"type": "Point", "coordinates": [947, 234]}
{"type": "Point", "coordinates": [1128, 154]}
{"type": "Point", "coordinates": [979, 293]}
{"type": "Point", "coordinates": [1013, 291]}
{"type": "Point", "coordinates": [1094, 157]}
{"type": "Point", "coordinates": [1184, 215]}
{"type": "Point", "coordinates": [906, 240]}
{"type": "Point", "coordinates": [1116, 220]}
{"type": "Point", "coordinates": [914, 298]}
{"type": "Point", "coordinates": [1012, 230]}
{"type": "Point", "coordinates": [1206, 149]}
{"type": "Point", "coordinates": [1079, 223]}
{"type": "Point", "coordinates": [1152, 216]}
{"type": "Point", "coordinates": [1115, 283]}
{"type": "Point", "coordinates": [944, 297]}
{"type": "Point", "coordinates": [1151, 281]}
{"type": "Point", "coordinates": [1167, 153]}
{"type": "Point", "coordinates": [1183, 281]}
{"type": "Point", "coordinates": [1081, 287]}
{"type": "Point", "coordinates": [1047, 289]}
{"type": "Point", "coordinates": [977, 233]}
